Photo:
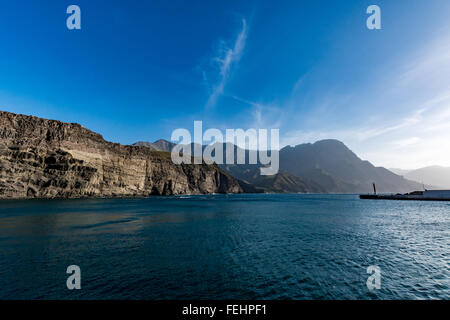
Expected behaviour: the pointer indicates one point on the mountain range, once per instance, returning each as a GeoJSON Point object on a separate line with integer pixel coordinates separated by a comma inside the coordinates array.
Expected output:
{"type": "Point", "coordinates": [327, 166]}
{"type": "Point", "coordinates": [436, 176]}
{"type": "Point", "coordinates": [41, 158]}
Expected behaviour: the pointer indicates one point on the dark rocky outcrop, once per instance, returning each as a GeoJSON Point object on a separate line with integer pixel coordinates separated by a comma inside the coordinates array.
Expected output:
{"type": "Point", "coordinates": [42, 158]}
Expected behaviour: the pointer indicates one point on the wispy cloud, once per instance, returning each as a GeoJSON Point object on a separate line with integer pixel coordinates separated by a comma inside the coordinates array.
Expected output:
{"type": "Point", "coordinates": [430, 66]}
{"type": "Point", "coordinates": [262, 115]}
{"type": "Point", "coordinates": [228, 57]}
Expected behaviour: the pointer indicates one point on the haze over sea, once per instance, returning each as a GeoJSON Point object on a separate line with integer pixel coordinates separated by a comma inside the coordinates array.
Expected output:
{"type": "Point", "coordinates": [225, 247]}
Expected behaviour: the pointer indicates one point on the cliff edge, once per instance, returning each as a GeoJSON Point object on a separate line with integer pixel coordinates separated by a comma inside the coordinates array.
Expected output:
{"type": "Point", "coordinates": [42, 158]}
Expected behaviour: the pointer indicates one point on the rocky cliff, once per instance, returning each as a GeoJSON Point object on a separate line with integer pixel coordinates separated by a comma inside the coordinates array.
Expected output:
{"type": "Point", "coordinates": [42, 158]}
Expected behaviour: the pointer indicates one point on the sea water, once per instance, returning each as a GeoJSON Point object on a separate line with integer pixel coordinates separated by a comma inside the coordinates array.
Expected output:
{"type": "Point", "coordinates": [225, 247]}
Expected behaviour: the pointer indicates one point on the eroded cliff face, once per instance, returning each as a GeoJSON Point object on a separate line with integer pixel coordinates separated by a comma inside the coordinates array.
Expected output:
{"type": "Point", "coordinates": [42, 158]}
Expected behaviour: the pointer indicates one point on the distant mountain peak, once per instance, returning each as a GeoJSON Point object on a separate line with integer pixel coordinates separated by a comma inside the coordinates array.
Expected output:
{"type": "Point", "coordinates": [330, 142]}
{"type": "Point", "coordinates": [319, 143]}
{"type": "Point", "coordinates": [161, 141]}
{"type": "Point", "coordinates": [158, 145]}
{"type": "Point", "coordinates": [164, 145]}
{"type": "Point", "coordinates": [436, 176]}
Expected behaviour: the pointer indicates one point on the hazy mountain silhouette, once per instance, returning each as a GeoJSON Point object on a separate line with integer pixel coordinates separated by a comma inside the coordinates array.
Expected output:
{"type": "Point", "coordinates": [436, 176]}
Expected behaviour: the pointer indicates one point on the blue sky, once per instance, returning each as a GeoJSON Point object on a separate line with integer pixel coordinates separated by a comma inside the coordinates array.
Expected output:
{"type": "Point", "coordinates": [137, 70]}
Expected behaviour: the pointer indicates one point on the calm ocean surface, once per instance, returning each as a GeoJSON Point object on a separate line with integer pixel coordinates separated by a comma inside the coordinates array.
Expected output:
{"type": "Point", "coordinates": [225, 247]}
